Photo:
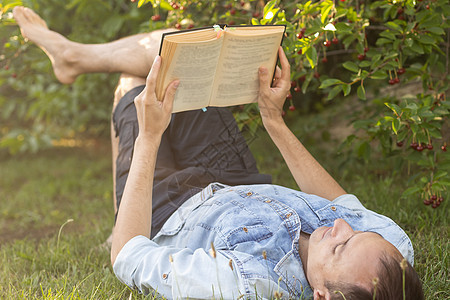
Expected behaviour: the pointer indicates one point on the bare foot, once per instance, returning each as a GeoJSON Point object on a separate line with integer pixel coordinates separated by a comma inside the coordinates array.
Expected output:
{"type": "Point", "coordinates": [57, 47]}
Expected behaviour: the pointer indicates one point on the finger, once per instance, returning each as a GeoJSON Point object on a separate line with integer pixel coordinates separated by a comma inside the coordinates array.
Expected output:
{"type": "Point", "coordinates": [285, 67]}
{"type": "Point", "coordinates": [153, 74]}
{"type": "Point", "coordinates": [264, 79]}
{"type": "Point", "coordinates": [170, 95]}
{"type": "Point", "coordinates": [277, 73]}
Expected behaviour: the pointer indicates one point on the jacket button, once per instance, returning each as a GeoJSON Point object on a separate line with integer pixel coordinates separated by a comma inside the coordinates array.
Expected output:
{"type": "Point", "coordinates": [249, 193]}
{"type": "Point", "coordinates": [268, 201]}
{"type": "Point", "coordinates": [333, 208]}
{"type": "Point", "coordinates": [164, 276]}
{"type": "Point", "coordinates": [288, 215]}
{"type": "Point", "coordinates": [245, 229]}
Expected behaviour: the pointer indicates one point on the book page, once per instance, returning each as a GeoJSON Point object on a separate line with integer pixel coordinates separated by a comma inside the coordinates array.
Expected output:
{"type": "Point", "coordinates": [237, 81]}
{"type": "Point", "coordinates": [194, 64]}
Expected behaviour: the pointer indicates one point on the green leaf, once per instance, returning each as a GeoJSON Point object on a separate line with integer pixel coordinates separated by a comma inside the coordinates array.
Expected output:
{"type": "Point", "coordinates": [311, 56]}
{"type": "Point", "coordinates": [395, 125]}
{"type": "Point", "coordinates": [165, 5]}
{"type": "Point", "coordinates": [346, 88]}
{"type": "Point", "coordinates": [361, 92]}
{"type": "Point", "coordinates": [436, 30]}
{"type": "Point", "coordinates": [379, 75]}
{"type": "Point", "coordinates": [426, 39]}
{"type": "Point", "coordinates": [351, 66]}
{"type": "Point", "coordinates": [329, 82]}
{"type": "Point", "coordinates": [334, 91]}
{"type": "Point", "coordinates": [410, 191]}
{"type": "Point", "coordinates": [343, 27]}
{"type": "Point", "coordinates": [395, 108]}
{"type": "Point", "coordinates": [393, 26]}
{"type": "Point", "coordinates": [325, 11]}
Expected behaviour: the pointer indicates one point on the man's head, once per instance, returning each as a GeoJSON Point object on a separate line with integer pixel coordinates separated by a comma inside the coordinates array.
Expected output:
{"type": "Point", "coordinates": [343, 260]}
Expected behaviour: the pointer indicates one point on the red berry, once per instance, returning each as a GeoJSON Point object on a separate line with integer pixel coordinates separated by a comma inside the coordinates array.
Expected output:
{"type": "Point", "coordinates": [434, 205]}
{"type": "Point", "coordinates": [440, 199]}
{"type": "Point", "coordinates": [6, 68]}
{"type": "Point", "coordinates": [242, 3]}
{"type": "Point", "coordinates": [433, 198]}
{"type": "Point", "coordinates": [426, 202]}
{"type": "Point", "coordinates": [178, 26]}
{"type": "Point", "coordinates": [297, 89]}
{"type": "Point", "coordinates": [327, 43]}
{"type": "Point", "coordinates": [427, 7]}
{"type": "Point", "coordinates": [303, 30]}
{"type": "Point", "coordinates": [133, 0]}
{"type": "Point", "coordinates": [283, 113]}
{"type": "Point", "coordinates": [292, 108]}
{"type": "Point", "coordinates": [233, 11]}
{"type": "Point", "coordinates": [419, 148]}
{"type": "Point", "coordinates": [300, 52]}
{"type": "Point", "coordinates": [444, 148]}
{"type": "Point", "coordinates": [299, 35]}
{"type": "Point", "coordinates": [156, 18]}
{"type": "Point", "coordinates": [414, 145]}
{"type": "Point", "coordinates": [366, 49]}
{"type": "Point", "coordinates": [396, 80]}
{"type": "Point", "coordinates": [256, 14]}
{"type": "Point", "coordinates": [342, 0]}
{"type": "Point", "coordinates": [400, 10]}
{"type": "Point", "coordinates": [293, 83]}
{"type": "Point", "coordinates": [361, 56]}
{"type": "Point", "coordinates": [400, 143]}
{"type": "Point", "coordinates": [316, 75]}
{"type": "Point", "coordinates": [335, 41]}
{"type": "Point", "coordinates": [14, 75]}
{"type": "Point", "coordinates": [303, 78]}
{"type": "Point", "coordinates": [324, 60]}
{"type": "Point", "coordinates": [430, 146]}
{"type": "Point", "coordinates": [289, 96]}
{"type": "Point", "coordinates": [401, 71]}
{"type": "Point", "coordinates": [175, 6]}
{"type": "Point", "coordinates": [391, 81]}
{"type": "Point", "coordinates": [192, 26]}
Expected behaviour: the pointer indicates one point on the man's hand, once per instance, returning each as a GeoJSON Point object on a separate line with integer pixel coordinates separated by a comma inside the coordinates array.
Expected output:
{"type": "Point", "coordinates": [135, 214]}
{"type": "Point", "coordinates": [271, 99]}
{"type": "Point", "coordinates": [154, 115]}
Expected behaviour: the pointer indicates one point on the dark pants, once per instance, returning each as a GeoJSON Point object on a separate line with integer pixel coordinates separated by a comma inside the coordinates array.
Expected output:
{"type": "Point", "coordinates": [196, 149]}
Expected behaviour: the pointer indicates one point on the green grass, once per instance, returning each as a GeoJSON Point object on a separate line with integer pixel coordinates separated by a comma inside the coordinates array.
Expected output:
{"type": "Point", "coordinates": [40, 192]}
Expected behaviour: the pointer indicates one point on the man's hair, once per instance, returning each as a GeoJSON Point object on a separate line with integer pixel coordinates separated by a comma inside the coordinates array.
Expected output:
{"type": "Point", "coordinates": [396, 280]}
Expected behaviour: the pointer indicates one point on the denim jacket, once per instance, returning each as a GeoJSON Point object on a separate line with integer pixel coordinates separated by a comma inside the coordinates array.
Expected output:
{"type": "Point", "coordinates": [255, 231]}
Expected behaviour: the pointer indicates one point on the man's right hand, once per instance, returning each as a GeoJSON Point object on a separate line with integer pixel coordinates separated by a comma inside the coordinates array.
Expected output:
{"type": "Point", "coordinates": [271, 99]}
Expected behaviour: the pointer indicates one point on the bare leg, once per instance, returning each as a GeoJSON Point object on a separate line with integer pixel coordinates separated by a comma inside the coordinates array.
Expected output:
{"type": "Point", "coordinates": [132, 55]}
{"type": "Point", "coordinates": [126, 83]}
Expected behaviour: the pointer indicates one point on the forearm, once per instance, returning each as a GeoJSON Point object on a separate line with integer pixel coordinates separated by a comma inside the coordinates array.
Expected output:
{"type": "Point", "coordinates": [135, 214]}
{"type": "Point", "coordinates": [310, 176]}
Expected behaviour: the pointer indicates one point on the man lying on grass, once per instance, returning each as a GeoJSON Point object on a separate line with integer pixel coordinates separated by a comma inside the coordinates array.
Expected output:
{"type": "Point", "coordinates": [197, 220]}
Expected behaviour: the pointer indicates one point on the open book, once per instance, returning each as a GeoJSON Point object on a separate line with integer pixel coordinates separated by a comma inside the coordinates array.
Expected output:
{"type": "Point", "coordinates": [215, 66]}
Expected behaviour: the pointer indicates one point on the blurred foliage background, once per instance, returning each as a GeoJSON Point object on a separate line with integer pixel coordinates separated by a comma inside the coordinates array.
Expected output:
{"type": "Point", "coordinates": [387, 61]}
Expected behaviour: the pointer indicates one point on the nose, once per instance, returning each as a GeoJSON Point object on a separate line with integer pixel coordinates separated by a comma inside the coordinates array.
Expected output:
{"type": "Point", "coordinates": [341, 229]}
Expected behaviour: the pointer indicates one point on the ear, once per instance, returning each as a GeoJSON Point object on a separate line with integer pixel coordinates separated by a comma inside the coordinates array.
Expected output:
{"type": "Point", "coordinates": [321, 294]}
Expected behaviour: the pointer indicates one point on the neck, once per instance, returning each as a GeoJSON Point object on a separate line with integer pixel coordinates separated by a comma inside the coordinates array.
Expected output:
{"type": "Point", "coordinates": [303, 245]}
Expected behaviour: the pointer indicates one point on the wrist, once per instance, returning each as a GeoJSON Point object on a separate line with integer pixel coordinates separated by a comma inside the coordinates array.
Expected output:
{"type": "Point", "coordinates": [146, 141]}
{"type": "Point", "coordinates": [273, 123]}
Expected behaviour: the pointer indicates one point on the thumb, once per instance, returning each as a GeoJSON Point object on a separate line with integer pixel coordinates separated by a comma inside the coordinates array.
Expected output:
{"type": "Point", "coordinates": [170, 95]}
